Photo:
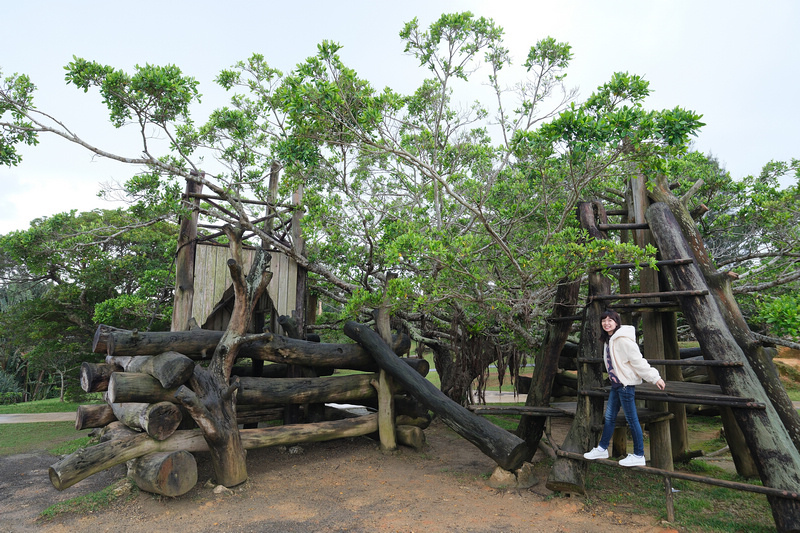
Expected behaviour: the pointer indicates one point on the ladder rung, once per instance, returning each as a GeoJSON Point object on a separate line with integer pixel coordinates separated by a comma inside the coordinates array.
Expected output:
{"type": "Point", "coordinates": [665, 262]}
{"type": "Point", "coordinates": [634, 295]}
{"type": "Point", "coordinates": [605, 227]}
{"type": "Point", "coordinates": [674, 362]}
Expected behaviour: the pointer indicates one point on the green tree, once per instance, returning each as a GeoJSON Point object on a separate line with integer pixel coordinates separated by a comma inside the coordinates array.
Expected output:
{"type": "Point", "coordinates": [68, 272]}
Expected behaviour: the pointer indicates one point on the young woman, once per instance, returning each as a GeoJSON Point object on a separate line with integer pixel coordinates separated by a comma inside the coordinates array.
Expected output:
{"type": "Point", "coordinates": [626, 368]}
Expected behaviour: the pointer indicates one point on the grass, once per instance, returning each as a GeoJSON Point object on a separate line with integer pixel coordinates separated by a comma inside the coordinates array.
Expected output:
{"type": "Point", "coordinates": [698, 507]}
{"type": "Point", "coordinates": [50, 436]}
{"type": "Point", "coordinates": [53, 405]}
{"type": "Point", "coordinates": [94, 501]}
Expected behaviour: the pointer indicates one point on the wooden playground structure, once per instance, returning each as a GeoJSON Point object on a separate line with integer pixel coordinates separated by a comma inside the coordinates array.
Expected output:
{"type": "Point", "coordinates": [144, 372]}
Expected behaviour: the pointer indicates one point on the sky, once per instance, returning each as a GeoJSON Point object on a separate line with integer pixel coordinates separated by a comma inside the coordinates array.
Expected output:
{"type": "Point", "coordinates": [736, 63]}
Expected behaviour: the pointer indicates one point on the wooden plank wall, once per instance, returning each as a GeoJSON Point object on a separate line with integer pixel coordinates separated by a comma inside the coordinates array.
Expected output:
{"type": "Point", "coordinates": [212, 279]}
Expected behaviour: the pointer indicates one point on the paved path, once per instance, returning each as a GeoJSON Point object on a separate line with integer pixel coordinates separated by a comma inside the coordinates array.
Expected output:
{"type": "Point", "coordinates": [37, 417]}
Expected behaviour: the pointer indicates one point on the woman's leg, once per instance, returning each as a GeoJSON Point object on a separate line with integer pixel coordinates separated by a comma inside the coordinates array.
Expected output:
{"type": "Point", "coordinates": [610, 418]}
{"type": "Point", "coordinates": [627, 397]}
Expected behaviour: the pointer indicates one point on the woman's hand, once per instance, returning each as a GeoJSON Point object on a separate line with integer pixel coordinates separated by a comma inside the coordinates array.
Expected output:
{"type": "Point", "coordinates": [660, 384]}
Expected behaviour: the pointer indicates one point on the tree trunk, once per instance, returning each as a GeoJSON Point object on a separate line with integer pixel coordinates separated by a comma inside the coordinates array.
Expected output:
{"type": "Point", "coordinates": [719, 285]}
{"type": "Point", "coordinates": [545, 366]}
{"type": "Point", "coordinates": [506, 449]}
{"type": "Point", "coordinates": [94, 416]}
{"type": "Point", "coordinates": [568, 475]}
{"type": "Point", "coordinates": [184, 261]}
{"type": "Point", "coordinates": [771, 445]}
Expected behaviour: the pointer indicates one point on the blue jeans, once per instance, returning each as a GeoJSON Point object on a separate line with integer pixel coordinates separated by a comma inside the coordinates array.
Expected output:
{"type": "Point", "coordinates": [625, 397]}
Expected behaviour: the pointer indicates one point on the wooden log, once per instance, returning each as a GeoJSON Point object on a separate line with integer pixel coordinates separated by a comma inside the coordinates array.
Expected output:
{"type": "Point", "coordinates": [200, 344]}
{"type": "Point", "coordinates": [166, 473]}
{"type": "Point", "coordinates": [411, 436]}
{"type": "Point", "coordinates": [142, 388]}
{"type": "Point", "coordinates": [171, 369]}
{"type": "Point", "coordinates": [87, 461]}
{"type": "Point", "coordinates": [546, 363]}
{"type": "Point", "coordinates": [334, 389]}
{"type": "Point", "coordinates": [116, 430]}
{"type": "Point", "coordinates": [506, 449]}
{"type": "Point", "coordinates": [101, 336]}
{"type": "Point", "coordinates": [159, 420]}
{"type": "Point", "coordinates": [769, 441]}
{"type": "Point", "coordinates": [94, 377]}
{"type": "Point", "coordinates": [94, 416]}
{"type": "Point", "coordinates": [127, 387]}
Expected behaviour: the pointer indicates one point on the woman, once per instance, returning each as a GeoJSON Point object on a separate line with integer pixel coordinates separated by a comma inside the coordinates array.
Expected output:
{"type": "Point", "coordinates": [626, 368]}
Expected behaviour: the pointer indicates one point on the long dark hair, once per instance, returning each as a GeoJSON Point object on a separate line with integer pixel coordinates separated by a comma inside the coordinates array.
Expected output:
{"type": "Point", "coordinates": [613, 315]}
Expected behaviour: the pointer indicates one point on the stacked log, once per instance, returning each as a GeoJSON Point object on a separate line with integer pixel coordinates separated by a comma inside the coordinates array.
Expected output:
{"type": "Point", "coordinates": [144, 423]}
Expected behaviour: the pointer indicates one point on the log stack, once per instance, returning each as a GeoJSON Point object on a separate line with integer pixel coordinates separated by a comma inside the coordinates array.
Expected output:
{"type": "Point", "coordinates": [145, 424]}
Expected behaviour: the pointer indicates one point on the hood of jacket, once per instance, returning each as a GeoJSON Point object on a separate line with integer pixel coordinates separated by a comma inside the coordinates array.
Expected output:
{"type": "Point", "coordinates": [625, 331]}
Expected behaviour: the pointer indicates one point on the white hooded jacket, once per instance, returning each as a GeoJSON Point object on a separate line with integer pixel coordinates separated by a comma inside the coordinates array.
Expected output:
{"type": "Point", "coordinates": [629, 364]}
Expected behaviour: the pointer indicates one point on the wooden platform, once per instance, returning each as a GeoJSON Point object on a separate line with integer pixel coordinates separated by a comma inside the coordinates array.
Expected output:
{"type": "Point", "coordinates": [684, 392]}
{"type": "Point", "coordinates": [565, 409]}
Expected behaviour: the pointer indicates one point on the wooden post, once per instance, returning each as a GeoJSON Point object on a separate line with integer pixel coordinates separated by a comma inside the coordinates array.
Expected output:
{"type": "Point", "coordinates": [184, 261]}
{"type": "Point", "coordinates": [660, 440]}
{"type": "Point", "coordinates": [386, 415]}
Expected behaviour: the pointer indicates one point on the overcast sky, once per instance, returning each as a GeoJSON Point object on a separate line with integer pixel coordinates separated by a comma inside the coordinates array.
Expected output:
{"type": "Point", "coordinates": [737, 63]}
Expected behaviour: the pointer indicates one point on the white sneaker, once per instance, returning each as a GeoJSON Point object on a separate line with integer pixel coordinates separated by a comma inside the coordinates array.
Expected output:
{"type": "Point", "coordinates": [633, 460]}
{"type": "Point", "coordinates": [596, 453]}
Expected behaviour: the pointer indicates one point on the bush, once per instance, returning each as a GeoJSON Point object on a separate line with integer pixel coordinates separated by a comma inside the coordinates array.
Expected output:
{"type": "Point", "coordinates": [782, 316]}
{"type": "Point", "coordinates": [10, 391]}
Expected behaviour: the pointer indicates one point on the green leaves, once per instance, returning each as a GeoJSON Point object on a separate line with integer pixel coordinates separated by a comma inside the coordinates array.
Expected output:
{"type": "Point", "coordinates": [16, 97]}
{"type": "Point", "coordinates": [157, 94]}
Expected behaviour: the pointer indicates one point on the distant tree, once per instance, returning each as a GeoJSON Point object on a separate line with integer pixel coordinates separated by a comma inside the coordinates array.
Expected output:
{"type": "Point", "coordinates": [67, 272]}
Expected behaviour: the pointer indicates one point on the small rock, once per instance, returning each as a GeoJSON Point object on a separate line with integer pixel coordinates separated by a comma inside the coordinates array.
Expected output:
{"type": "Point", "coordinates": [295, 450]}
{"type": "Point", "coordinates": [221, 489]}
{"type": "Point", "coordinates": [502, 479]}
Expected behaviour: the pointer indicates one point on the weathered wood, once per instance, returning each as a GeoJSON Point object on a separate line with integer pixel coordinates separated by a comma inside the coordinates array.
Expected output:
{"type": "Point", "coordinates": [171, 369]}
{"type": "Point", "coordinates": [506, 449]}
{"type": "Point", "coordinates": [546, 363]}
{"type": "Point", "coordinates": [200, 344]}
{"type": "Point", "coordinates": [136, 387]}
{"type": "Point", "coordinates": [166, 473]}
{"type": "Point", "coordinates": [660, 452]}
{"type": "Point", "coordinates": [94, 377]}
{"type": "Point", "coordinates": [770, 443]}
{"type": "Point", "coordinates": [185, 259]}
{"type": "Point", "coordinates": [720, 287]}
{"type": "Point", "coordinates": [143, 388]}
{"type": "Point", "coordinates": [87, 461]}
{"type": "Point", "coordinates": [411, 436]}
{"type": "Point", "coordinates": [159, 420]}
{"type": "Point", "coordinates": [567, 475]}
{"type": "Point", "coordinates": [384, 384]}
{"type": "Point", "coordinates": [101, 336]}
{"type": "Point", "coordinates": [93, 416]}
{"type": "Point", "coordinates": [334, 389]}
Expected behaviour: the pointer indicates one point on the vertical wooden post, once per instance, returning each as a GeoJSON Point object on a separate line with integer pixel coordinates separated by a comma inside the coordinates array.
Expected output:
{"type": "Point", "coordinates": [660, 440]}
{"type": "Point", "coordinates": [386, 419]}
{"type": "Point", "coordinates": [184, 261]}
{"type": "Point", "coordinates": [678, 425]}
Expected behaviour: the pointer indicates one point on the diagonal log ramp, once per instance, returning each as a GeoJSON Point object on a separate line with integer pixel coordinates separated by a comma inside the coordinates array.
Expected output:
{"type": "Point", "coordinates": [506, 449]}
{"type": "Point", "coordinates": [776, 457]}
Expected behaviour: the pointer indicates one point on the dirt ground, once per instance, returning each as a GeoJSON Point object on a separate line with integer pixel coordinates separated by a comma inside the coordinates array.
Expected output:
{"type": "Point", "coordinates": [337, 486]}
